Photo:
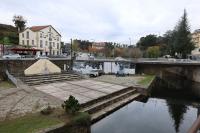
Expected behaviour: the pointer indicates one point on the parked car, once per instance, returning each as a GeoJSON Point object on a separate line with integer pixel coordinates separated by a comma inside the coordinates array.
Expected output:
{"type": "Point", "coordinates": [41, 57]}
{"type": "Point", "coordinates": [12, 56]}
{"type": "Point", "coordinates": [120, 73]}
{"type": "Point", "coordinates": [93, 73]}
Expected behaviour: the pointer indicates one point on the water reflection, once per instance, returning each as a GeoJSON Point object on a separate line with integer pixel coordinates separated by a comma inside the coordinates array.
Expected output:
{"type": "Point", "coordinates": [176, 112]}
{"type": "Point", "coordinates": [172, 116]}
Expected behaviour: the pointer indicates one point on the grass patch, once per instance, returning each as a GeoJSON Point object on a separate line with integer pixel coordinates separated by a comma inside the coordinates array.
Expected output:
{"type": "Point", "coordinates": [6, 85]}
{"type": "Point", "coordinates": [146, 80]}
{"type": "Point", "coordinates": [28, 124]}
{"type": "Point", "coordinates": [34, 122]}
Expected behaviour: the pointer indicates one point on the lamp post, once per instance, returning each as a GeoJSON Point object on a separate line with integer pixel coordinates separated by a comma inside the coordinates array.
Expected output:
{"type": "Point", "coordinates": [71, 54]}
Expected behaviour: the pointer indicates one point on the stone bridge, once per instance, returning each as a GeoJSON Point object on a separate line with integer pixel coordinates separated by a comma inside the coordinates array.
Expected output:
{"type": "Point", "coordinates": [187, 69]}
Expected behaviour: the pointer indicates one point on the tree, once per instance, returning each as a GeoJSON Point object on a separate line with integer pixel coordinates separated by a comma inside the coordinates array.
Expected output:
{"type": "Point", "coordinates": [153, 52]}
{"type": "Point", "coordinates": [147, 41]}
{"type": "Point", "coordinates": [6, 40]}
{"type": "Point", "coordinates": [182, 43]}
{"type": "Point", "coordinates": [135, 52]}
{"type": "Point", "coordinates": [75, 45]}
{"type": "Point", "coordinates": [168, 39]}
{"type": "Point", "coordinates": [19, 22]}
{"type": "Point", "coordinates": [62, 46]}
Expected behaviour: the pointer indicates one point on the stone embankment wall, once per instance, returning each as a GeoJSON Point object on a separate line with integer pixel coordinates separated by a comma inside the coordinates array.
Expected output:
{"type": "Point", "coordinates": [18, 66]}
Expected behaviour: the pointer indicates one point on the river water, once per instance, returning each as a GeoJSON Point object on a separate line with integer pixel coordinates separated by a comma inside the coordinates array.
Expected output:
{"type": "Point", "coordinates": [155, 116]}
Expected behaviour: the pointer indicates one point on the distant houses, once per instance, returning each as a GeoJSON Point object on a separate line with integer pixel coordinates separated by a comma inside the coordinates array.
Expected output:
{"type": "Point", "coordinates": [98, 45]}
{"type": "Point", "coordinates": [196, 40]}
{"type": "Point", "coordinates": [45, 38]}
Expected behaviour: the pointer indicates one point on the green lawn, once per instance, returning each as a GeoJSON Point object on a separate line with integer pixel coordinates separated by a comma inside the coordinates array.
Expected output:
{"type": "Point", "coordinates": [6, 85]}
{"type": "Point", "coordinates": [146, 80]}
{"type": "Point", "coordinates": [28, 124]}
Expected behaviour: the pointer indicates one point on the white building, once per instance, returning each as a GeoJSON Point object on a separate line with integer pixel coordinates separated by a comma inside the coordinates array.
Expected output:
{"type": "Point", "coordinates": [45, 38]}
{"type": "Point", "coordinates": [196, 40]}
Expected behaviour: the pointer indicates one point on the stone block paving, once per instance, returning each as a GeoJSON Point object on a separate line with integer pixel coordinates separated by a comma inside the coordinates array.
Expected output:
{"type": "Point", "coordinates": [84, 90]}
{"type": "Point", "coordinates": [16, 102]}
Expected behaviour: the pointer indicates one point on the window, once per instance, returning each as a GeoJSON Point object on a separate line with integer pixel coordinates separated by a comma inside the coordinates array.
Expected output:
{"type": "Point", "coordinates": [40, 35]}
{"type": "Point", "coordinates": [27, 35]}
{"type": "Point", "coordinates": [57, 52]}
{"type": "Point", "coordinates": [53, 44]}
{"type": "Point", "coordinates": [49, 29]}
{"type": "Point", "coordinates": [32, 42]}
{"type": "Point", "coordinates": [53, 52]}
{"type": "Point", "coordinates": [22, 42]}
{"type": "Point", "coordinates": [41, 44]}
{"type": "Point", "coordinates": [27, 42]}
{"type": "Point", "coordinates": [57, 38]}
{"type": "Point", "coordinates": [46, 43]}
{"type": "Point", "coordinates": [57, 45]}
{"type": "Point", "coordinates": [50, 39]}
{"type": "Point", "coordinates": [50, 45]}
{"type": "Point", "coordinates": [22, 35]}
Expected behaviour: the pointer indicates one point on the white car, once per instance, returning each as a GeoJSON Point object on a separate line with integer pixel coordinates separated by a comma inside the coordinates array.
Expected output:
{"type": "Point", "coordinates": [41, 57]}
{"type": "Point", "coordinates": [12, 56]}
{"type": "Point", "coordinates": [93, 73]}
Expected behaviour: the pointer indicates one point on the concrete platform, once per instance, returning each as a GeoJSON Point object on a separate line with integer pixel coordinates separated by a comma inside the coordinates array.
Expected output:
{"type": "Point", "coordinates": [83, 90]}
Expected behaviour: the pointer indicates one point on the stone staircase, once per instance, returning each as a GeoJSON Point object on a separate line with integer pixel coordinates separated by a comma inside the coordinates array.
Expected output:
{"type": "Point", "coordinates": [103, 106]}
{"type": "Point", "coordinates": [49, 78]}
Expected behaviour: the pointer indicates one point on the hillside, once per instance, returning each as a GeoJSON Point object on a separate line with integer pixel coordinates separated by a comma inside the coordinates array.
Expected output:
{"type": "Point", "coordinates": [10, 32]}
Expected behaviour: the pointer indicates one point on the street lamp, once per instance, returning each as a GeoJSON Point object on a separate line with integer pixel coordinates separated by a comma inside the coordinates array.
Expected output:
{"type": "Point", "coordinates": [71, 54]}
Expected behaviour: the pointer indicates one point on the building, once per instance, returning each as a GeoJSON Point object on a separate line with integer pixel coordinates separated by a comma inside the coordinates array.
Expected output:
{"type": "Point", "coordinates": [196, 40]}
{"type": "Point", "coordinates": [98, 45]}
{"type": "Point", "coordinates": [66, 49]}
{"type": "Point", "coordinates": [45, 38]}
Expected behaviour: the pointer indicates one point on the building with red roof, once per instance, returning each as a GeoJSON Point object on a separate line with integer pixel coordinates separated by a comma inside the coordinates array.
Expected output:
{"type": "Point", "coordinates": [45, 39]}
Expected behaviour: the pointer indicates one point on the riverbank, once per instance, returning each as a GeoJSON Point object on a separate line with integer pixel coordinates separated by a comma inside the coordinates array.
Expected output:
{"type": "Point", "coordinates": [58, 121]}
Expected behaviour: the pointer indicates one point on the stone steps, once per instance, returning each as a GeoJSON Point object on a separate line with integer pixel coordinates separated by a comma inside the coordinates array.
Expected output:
{"type": "Point", "coordinates": [103, 106]}
{"type": "Point", "coordinates": [50, 78]}
{"type": "Point", "coordinates": [106, 97]}
{"type": "Point", "coordinates": [100, 105]}
{"type": "Point", "coordinates": [115, 106]}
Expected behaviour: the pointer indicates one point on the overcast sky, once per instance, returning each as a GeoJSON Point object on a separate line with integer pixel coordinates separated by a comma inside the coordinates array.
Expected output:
{"type": "Point", "coordinates": [103, 20]}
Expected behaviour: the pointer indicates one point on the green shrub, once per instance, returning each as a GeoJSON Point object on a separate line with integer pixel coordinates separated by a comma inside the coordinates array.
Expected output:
{"type": "Point", "coordinates": [81, 119]}
{"type": "Point", "coordinates": [71, 105]}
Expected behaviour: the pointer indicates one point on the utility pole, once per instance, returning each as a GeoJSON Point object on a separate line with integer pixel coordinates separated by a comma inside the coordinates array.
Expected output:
{"type": "Point", "coordinates": [3, 48]}
{"type": "Point", "coordinates": [71, 55]}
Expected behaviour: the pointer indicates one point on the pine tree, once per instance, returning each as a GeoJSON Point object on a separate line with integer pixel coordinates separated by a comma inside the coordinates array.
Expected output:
{"type": "Point", "coordinates": [182, 43]}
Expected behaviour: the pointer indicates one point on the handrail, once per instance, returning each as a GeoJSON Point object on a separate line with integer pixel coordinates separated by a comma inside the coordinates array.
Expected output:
{"type": "Point", "coordinates": [195, 126]}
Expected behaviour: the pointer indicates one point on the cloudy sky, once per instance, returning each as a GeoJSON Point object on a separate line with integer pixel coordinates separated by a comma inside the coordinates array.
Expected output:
{"type": "Point", "coordinates": [103, 20]}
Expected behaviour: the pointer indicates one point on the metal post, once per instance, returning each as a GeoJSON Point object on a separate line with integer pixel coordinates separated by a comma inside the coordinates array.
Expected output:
{"type": "Point", "coordinates": [3, 50]}
{"type": "Point", "coordinates": [71, 55]}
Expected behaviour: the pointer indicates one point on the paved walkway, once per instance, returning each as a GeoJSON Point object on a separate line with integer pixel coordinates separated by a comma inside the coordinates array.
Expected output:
{"type": "Point", "coordinates": [83, 90]}
{"type": "Point", "coordinates": [16, 102]}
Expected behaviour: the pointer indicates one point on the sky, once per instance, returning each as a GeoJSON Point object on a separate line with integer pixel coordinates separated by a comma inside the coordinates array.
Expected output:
{"type": "Point", "coordinates": [122, 21]}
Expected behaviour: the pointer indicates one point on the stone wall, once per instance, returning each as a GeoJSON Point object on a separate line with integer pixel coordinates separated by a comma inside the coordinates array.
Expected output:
{"type": "Point", "coordinates": [18, 66]}
{"type": "Point", "coordinates": [190, 72]}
